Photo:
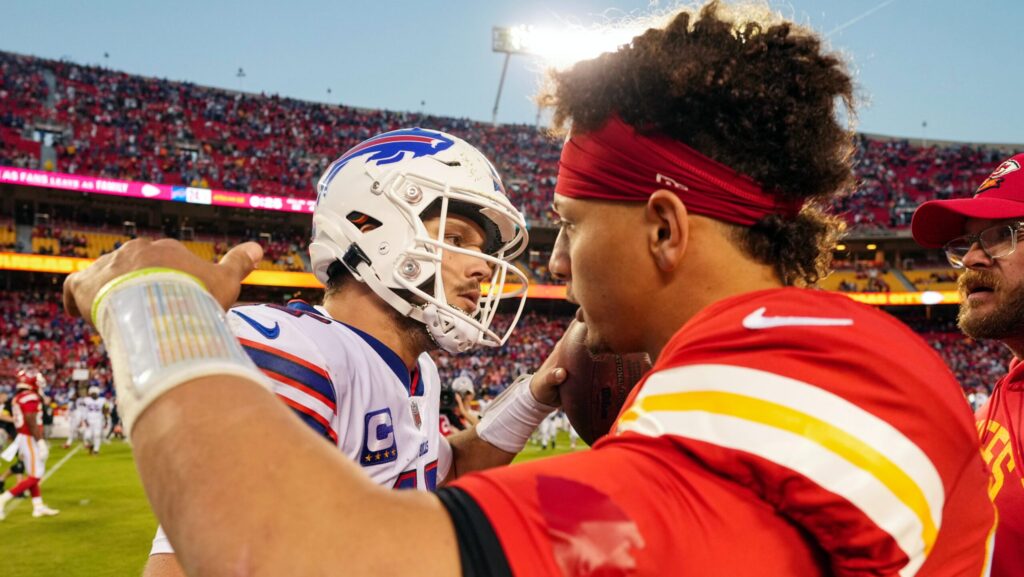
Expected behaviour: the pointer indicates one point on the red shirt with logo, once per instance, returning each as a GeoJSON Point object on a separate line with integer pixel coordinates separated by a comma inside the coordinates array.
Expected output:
{"type": "Point", "coordinates": [999, 424]}
{"type": "Point", "coordinates": [780, 432]}
{"type": "Point", "coordinates": [25, 403]}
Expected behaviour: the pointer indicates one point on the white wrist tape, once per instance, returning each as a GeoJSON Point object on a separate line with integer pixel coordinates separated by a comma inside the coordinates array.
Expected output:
{"type": "Point", "coordinates": [512, 416]}
{"type": "Point", "coordinates": [163, 329]}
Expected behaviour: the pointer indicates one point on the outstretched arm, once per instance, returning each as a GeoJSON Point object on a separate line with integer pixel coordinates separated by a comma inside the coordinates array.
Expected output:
{"type": "Point", "coordinates": [163, 565]}
{"type": "Point", "coordinates": [248, 522]}
{"type": "Point", "coordinates": [253, 520]}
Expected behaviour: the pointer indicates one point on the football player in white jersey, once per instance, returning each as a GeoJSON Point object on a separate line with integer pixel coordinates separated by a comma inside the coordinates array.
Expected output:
{"type": "Point", "coordinates": [573, 435]}
{"type": "Point", "coordinates": [548, 431]}
{"type": "Point", "coordinates": [96, 411]}
{"type": "Point", "coordinates": [76, 417]}
{"type": "Point", "coordinates": [414, 239]}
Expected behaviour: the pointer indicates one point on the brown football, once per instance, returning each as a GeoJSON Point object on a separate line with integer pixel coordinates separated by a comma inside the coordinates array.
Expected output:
{"type": "Point", "coordinates": [595, 387]}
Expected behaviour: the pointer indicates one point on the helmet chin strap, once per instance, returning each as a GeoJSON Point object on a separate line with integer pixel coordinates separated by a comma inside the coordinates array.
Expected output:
{"type": "Point", "coordinates": [450, 332]}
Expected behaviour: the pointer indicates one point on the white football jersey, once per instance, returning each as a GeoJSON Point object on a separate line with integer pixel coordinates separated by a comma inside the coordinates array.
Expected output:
{"type": "Point", "coordinates": [94, 408]}
{"type": "Point", "coordinates": [79, 407]}
{"type": "Point", "coordinates": [352, 389]}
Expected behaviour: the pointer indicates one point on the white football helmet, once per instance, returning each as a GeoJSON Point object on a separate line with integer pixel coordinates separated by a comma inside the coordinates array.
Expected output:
{"type": "Point", "coordinates": [389, 182]}
{"type": "Point", "coordinates": [463, 384]}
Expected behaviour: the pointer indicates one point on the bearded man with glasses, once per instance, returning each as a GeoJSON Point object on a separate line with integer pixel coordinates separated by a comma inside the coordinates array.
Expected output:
{"type": "Point", "coordinates": [981, 235]}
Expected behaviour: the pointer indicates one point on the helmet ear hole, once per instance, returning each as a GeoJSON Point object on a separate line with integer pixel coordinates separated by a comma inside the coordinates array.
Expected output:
{"type": "Point", "coordinates": [363, 221]}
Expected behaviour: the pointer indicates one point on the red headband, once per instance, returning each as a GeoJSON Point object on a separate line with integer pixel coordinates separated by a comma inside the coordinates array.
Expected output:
{"type": "Point", "coordinates": [617, 163]}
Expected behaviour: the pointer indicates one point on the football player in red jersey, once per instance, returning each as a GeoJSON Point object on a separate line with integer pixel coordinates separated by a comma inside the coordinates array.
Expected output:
{"type": "Point", "coordinates": [980, 236]}
{"type": "Point", "coordinates": [779, 433]}
{"type": "Point", "coordinates": [32, 448]}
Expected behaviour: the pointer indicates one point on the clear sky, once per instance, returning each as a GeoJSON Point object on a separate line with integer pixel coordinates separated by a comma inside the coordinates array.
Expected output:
{"type": "Point", "coordinates": [956, 65]}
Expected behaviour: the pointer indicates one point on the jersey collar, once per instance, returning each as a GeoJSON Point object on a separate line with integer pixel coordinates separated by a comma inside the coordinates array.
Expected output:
{"type": "Point", "coordinates": [410, 381]}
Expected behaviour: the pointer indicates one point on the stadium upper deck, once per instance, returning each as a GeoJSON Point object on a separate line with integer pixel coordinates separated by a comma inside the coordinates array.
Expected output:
{"type": "Point", "coordinates": [79, 119]}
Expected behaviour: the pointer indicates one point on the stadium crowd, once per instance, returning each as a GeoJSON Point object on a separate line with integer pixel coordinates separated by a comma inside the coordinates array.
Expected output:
{"type": "Point", "coordinates": [35, 331]}
{"type": "Point", "coordinates": [976, 364]}
{"type": "Point", "coordinates": [117, 125]}
{"type": "Point", "coordinates": [894, 177]}
{"type": "Point", "coordinates": [112, 124]}
{"type": "Point", "coordinates": [491, 370]}
{"type": "Point", "coordinates": [109, 123]}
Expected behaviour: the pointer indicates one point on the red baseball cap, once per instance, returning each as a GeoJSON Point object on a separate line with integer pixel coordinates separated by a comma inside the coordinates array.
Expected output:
{"type": "Point", "coordinates": [1000, 196]}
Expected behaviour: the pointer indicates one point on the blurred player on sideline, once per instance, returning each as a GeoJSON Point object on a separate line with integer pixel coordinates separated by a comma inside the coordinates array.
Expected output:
{"type": "Point", "coordinates": [781, 431]}
{"type": "Point", "coordinates": [97, 412]}
{"type": "Point", "coordinates": [408, 227]}
{"type": "Point", "coordinates": [574, 437]}
{"type": "Point", "coordinates": [465, 400]}
{"type": "Point", "coordinates": [980, 235]}
{"type": "Point", "coordinates": [116, 430]}
{"type": "Point", "coordinates": [32, 448]}
{"type": "Point", "coordinates": [547, 432]}
{"type": "Point", "coordinates": [76, 417]}
{"type": "Point", "coordinates": [8, 433]}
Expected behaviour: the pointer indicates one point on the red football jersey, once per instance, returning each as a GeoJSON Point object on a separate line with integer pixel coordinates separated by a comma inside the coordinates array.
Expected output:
{"type": "Point", "coordinates": [780, 432]}
{"type": "Point", "coordinates": [999, 424]}
{"type": "Point", "coordinates": [24, 404]}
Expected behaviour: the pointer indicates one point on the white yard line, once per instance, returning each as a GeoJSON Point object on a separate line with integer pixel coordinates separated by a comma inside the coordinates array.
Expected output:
{"type": "Point", "coordinates": [15, 503]}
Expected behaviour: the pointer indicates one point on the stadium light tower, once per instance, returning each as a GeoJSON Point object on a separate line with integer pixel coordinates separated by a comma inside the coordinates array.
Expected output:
{"type": "Point", "coordinates": [507, 41]}
{"type": "Point", "coordinates": [558, 48]}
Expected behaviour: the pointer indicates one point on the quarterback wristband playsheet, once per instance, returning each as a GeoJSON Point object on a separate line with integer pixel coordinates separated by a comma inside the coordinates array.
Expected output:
{"type": "Point", "coordinates": [162, 328]}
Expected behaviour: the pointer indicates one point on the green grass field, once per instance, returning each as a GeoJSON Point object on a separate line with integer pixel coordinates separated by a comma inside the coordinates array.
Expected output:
{"type": "Point", "coordinates": [105, 525]}
{"type": "Point", "coordinates": [532, 451]}
{"type": "Point", "coordinates": [104, 528]}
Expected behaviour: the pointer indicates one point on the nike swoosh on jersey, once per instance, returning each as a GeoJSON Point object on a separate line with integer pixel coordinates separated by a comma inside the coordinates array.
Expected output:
{"type": "Point", "coordinates": [269, 332]}
{"type": "Point", "coordinates": [757, 320]}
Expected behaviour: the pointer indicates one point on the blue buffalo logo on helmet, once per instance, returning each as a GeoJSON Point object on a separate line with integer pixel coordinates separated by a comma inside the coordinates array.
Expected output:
{"type": "Point", "coordinates": [391, 147]}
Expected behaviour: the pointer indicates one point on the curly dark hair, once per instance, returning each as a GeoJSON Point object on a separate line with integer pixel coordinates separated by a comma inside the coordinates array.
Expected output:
{"type": "Point", "coordinates": [760, 97]}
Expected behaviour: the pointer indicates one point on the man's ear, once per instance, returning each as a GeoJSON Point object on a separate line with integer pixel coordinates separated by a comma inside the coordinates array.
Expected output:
{"type": "Point", "coordinates": [669, 229]}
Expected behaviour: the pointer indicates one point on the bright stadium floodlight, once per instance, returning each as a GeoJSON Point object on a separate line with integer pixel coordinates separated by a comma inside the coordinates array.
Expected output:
{"type": "Point", "coordinates": [558, 48]}
{"type": "Point", "coordinates": [503, 40]}
{"type": "Point", "coordinates": [562, 48]}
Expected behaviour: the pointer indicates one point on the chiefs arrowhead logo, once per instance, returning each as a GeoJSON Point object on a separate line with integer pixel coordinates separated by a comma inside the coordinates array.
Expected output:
{"type": "Point", "coordinates": [996, 178]}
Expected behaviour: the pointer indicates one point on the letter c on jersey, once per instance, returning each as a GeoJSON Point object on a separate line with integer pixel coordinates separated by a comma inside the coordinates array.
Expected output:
{"type": "Point", "coordinates": [380, 435]}
{"type": "Point", "coordinates": [378, 439]}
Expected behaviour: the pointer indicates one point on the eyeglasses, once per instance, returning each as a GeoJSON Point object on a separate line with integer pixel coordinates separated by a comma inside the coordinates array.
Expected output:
{"type": "Point", "coordinates": [995, 241]}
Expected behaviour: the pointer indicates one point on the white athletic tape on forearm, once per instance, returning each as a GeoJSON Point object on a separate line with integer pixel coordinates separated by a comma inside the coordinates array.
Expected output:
{"type": "Point", "coordinates": [512, 416]}
{"type": "Point", "coordinates": [163, 329]}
